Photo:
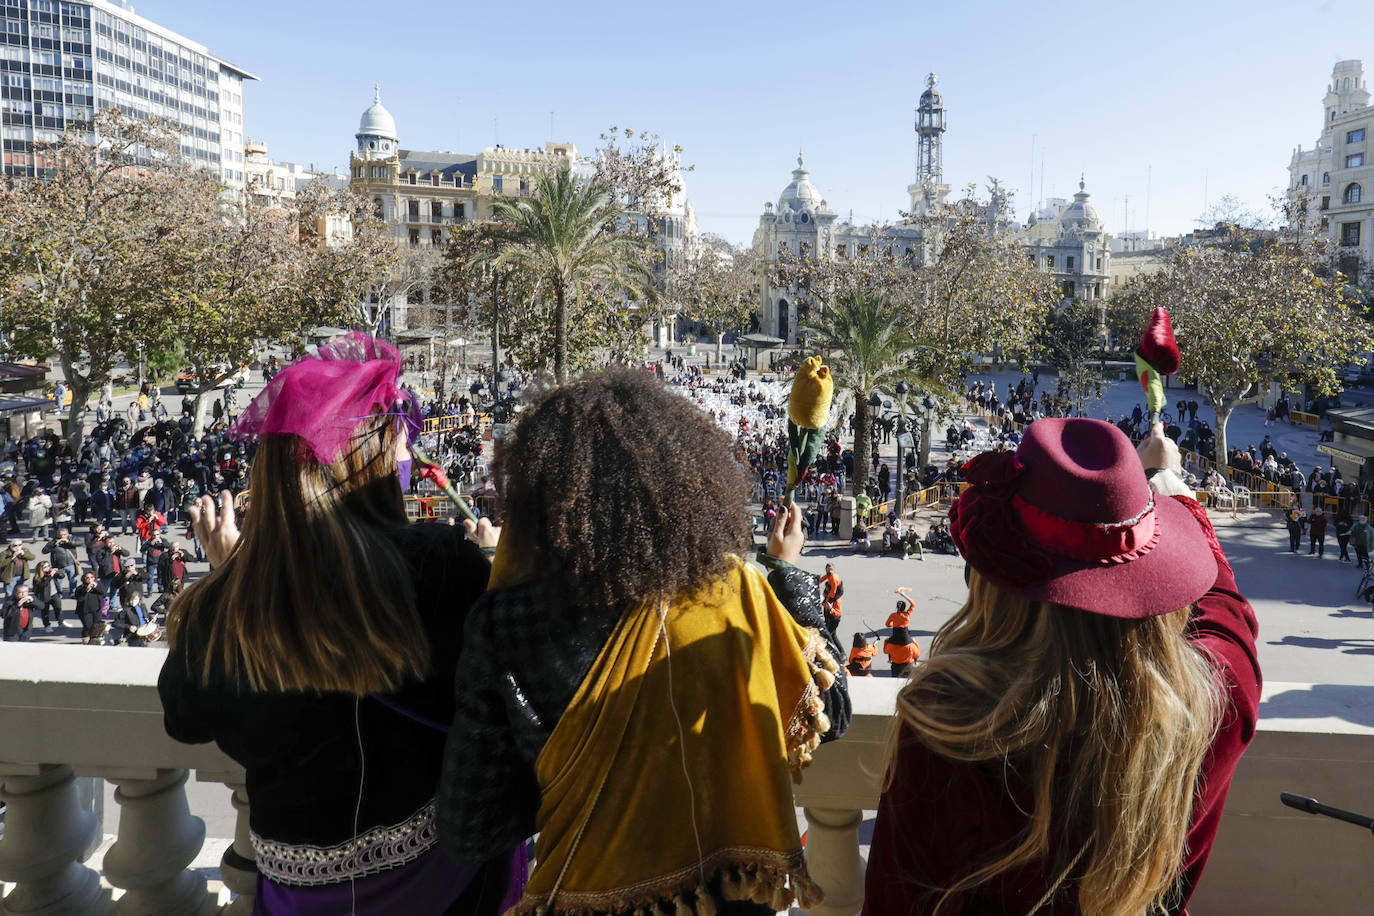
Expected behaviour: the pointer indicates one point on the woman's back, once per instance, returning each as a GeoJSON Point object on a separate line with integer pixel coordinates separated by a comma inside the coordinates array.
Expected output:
{"type": "Point", "coordinates": [301, 749]}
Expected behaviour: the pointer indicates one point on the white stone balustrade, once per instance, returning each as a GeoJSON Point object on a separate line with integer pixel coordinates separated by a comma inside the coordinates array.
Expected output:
{"type": "Point", "coordinates": [1315, 740]}
{"type": "Point", "coordinates": [68, 711]}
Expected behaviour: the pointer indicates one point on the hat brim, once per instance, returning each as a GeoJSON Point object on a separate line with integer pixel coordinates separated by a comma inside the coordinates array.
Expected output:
{"type": "Point", "coordinates": [1177, 571]}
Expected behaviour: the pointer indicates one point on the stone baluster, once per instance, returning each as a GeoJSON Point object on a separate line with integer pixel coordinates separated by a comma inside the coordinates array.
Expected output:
{"type": "Point", "coordinates": [158, 839]}
{"type": "Point", "coordinates": [832, 856]}
{"type": "Point", "coordinates": [237, 868]}
{"type": "Point", "coordinates": [46, 833]}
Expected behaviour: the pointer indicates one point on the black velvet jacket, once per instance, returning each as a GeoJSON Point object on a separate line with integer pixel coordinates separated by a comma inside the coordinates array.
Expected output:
{"type": "Point", "coordinates": [301, 750]}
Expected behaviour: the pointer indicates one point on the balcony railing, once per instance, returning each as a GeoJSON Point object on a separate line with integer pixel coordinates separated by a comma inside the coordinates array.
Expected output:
{"type": "Point", "coordinates": [71, 711]}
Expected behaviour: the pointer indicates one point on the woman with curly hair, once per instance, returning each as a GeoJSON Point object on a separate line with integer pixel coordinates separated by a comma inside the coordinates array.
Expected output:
{"type": "Point", "coordinates": [1068, 744]}
{"type": "Point", "coordinates": [631, 690]}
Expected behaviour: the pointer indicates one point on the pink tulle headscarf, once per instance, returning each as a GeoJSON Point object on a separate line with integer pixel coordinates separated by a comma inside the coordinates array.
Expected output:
{"type": "Point", "coordinates": [322, 398]}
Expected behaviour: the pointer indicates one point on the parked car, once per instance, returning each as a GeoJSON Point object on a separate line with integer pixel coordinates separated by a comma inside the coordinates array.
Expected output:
{"type": "Point", "coordinates": [188, 381]}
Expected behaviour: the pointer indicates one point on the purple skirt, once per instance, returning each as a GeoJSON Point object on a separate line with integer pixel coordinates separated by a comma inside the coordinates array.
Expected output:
{"type": "Point", "coordinates": [430, 884]}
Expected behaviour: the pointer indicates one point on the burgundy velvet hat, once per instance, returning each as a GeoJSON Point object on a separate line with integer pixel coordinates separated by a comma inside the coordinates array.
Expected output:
{"type": "Point", "coordinates": [1070, 518]}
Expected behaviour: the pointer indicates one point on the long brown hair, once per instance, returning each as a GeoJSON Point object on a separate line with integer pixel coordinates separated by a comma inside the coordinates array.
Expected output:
{"type": "Point", "coordinates": [1109, 719]}
{"type": "Point", "coordinates": [315, 596]}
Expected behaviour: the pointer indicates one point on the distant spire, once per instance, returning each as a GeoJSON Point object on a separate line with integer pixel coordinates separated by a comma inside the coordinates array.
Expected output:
{"type": "Point", "coordinates": [376, 93]}
{"type": "Point", "coordinates": [1080, 181]}
{"type": "Point", "coordinates": [801, 160]}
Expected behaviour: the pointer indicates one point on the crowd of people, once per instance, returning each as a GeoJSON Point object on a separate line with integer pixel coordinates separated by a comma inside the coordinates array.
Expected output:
{"type": "Point", "coordinates": [401, 758]}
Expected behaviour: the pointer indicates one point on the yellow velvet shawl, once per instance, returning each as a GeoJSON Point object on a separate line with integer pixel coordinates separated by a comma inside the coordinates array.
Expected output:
{"type": "Point", "coordinates": [669, 772]}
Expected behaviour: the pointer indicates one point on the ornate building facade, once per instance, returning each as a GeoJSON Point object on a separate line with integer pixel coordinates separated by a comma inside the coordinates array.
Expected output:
{"type": "Point", "coordinates": [424, 195]}
{"type": "Point", "coordinates": [1074, 244]}
{"type": "Point", "coordinates": [1332, 178]}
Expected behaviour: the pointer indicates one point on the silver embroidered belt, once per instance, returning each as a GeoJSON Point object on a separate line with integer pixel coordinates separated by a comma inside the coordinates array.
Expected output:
{"type": "Point", "coordinates": [373, 851]}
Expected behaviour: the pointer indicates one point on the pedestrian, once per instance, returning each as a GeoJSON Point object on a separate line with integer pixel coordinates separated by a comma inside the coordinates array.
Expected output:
{"type": "Point", "coordinates": [1362, 536]}
{"type": "Point", "coordinates": [901, 617]}
{"type": "Point", "coordinates": [1316, 533]}
{"type": "Point", "coordinates": [344, 757]}
{"type": "Point", "coordinates": [1343, 525]}
{"type": "Point", "coordinates": [40, 513]}
{"type": "Point", "coordinates": [90, 603]}
{"type": "Point", "coordinates": [661, 626]}
{"type": "Point", "coordinates": [47, 591]}
{"type": "Point", "coordinates": [832, 595]}
{"type": "Point", "coordinates": [17, 612]}
{"type": "Point", "coordinates": [14, 567]}
{"type": "Point", "coordinates": [62, 549]}
{"type": "Point", "coordinates": [1068, 744]}
{"type": "Point", "coordinates": [901, 650]}
{"type": "Point", "coordinates": [1295, 523]}
{"type": "Point", "coordinates": [861, 657]}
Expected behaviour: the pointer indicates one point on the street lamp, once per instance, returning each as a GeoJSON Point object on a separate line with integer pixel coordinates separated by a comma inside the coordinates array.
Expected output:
{"type": "Point", "coordinates": [903, 442]}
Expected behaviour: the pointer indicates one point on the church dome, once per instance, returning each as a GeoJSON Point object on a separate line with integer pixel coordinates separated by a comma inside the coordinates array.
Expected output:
{"type": "Point", "coordinates": [801, 194]}
{"type": "Point", "coordinates": [377, 121]}
{"type": "Point", "coordinates": [1080, 214]}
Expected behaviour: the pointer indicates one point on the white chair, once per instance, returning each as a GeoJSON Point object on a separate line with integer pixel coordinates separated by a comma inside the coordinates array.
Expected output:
{"type": "Point", "coordinates": [1222, 497]}
{"type": "Point", "coordinates": [1242, 496]}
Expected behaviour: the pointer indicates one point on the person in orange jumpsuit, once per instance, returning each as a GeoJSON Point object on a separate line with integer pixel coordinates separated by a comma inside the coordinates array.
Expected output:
{"type": "Point", "coordinates": [902, 651]}
{"type": "Point", "coordinates": [902, 616]}
{"type": "Point", "coordinates": [832, 590]}
{"type": "Point", "coordinates": [861, 657]}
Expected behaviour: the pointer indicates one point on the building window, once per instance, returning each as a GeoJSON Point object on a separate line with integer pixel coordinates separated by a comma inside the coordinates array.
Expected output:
{"type": "Point", "coordinates": [459, 212]}
{"type": "Point", "coordinates": [1354, 160]}
{"type": "Point", "coordinates": [1099, 265]}
{"type": "Point", "coordinates": [436, 237]}
{"type": "Point", "coordinates": [436, 211]}
{"type": "Point", "coordinates": [1326, 177]}
{"type": "Point", "coordinates": [414, 238]}
{"type": "Point", "coordinates": [842, 250]}
{"type": "Point", "coordinates": [1349, 266]}
{"type": "Point", "coordinates": [1068, 289]}
{"type": "Point", "coordinates": [1304, 181]}
{"type": "Point", "coordinates": [412, 177]}
{"type": "Point", "coordinates": [1352, 193]}
{"type": "Point", "coordinates": [524, 186]}
{"type": "Point", "coordinates": [496, 183]}
{"type": "Point", "coordinates": [413, 211]}
{"type": "Point", "coordinates": [377, 207]}
{"type": "Point", "coordinates": [1049, 261]}
{"type": "Point", "coordinates": [1326, 202]}
{"type": "Point", "coordinates": [1069, 263]}
{"type": "Point", "coordinates": [1350, 233]}
{"type": "Point", "coordinates": [1355, 136]}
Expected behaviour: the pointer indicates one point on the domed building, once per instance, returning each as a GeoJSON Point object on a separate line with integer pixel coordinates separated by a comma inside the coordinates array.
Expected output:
{"type": "Point", "coordinates": [376, 130]}
{"type": "Point", "coordinates": [1075, 247]}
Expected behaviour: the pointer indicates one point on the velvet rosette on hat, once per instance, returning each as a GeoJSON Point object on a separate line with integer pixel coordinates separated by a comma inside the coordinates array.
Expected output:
{"type": "Point", "coordinates": [1070, 518]}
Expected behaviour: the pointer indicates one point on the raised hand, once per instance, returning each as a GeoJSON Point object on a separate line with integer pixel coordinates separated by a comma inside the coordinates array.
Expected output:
{"type": "Point", "coordinates": [217, 531]}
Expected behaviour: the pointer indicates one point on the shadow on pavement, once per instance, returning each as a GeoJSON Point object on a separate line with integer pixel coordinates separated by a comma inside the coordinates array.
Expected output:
{"type": "Point", "coordinates": [1350, 702]}
{"type": "Point", "coordinates": [1347, 646]}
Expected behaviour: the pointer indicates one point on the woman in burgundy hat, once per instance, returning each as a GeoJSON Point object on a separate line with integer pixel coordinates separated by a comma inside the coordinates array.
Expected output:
{"type": "Point", "coordinates": [1068, 745]}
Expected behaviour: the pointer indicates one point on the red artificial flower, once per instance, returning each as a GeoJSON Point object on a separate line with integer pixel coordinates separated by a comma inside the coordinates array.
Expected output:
{"type": "Point", "coordinates": [1158, 347]}
{"type": "Point", "coordinates": [986, 527]}
{"type": "Point", "coordinates": [435, 473]}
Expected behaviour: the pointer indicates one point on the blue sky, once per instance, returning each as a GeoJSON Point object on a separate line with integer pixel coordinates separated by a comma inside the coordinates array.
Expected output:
{"type": "Point", "coordinates": [1206, 98]}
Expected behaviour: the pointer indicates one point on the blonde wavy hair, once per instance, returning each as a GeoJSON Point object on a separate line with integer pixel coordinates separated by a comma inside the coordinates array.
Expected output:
{"type": "Point", "coordinates": [1122, 711]}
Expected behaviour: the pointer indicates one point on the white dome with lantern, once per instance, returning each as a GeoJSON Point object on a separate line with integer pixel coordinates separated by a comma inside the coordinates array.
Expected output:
{"type": "Point", "coordinates": [377, 130]}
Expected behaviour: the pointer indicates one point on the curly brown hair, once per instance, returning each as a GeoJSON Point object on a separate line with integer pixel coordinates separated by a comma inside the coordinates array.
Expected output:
{"type": "Point", "coordinates": [624, 492]}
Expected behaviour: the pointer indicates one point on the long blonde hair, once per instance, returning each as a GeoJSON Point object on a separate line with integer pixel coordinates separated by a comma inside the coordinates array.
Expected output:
{"type": "Point", "coordinates": [1109, 719]}
{"type": "Point", "coordinates": [315, 596]}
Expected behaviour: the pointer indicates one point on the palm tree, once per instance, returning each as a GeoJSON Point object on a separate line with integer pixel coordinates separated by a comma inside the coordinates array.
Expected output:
{"type": "Point", "coordinates": [871, 351]}
{"type": "Point", "coordinates": [564, 238]}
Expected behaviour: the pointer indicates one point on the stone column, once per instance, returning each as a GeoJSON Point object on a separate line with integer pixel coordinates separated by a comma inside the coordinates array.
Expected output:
{"type": "Point", "coordinates": [237, 868]}
{"type": "Point", "coordinates": [46, 832]}
{"type": "Point", "coordinates": [158, 839]}
{"type": "Point", "coordinates": [846, 517]}
{"type": "Point", "coordinates": [832, 856]}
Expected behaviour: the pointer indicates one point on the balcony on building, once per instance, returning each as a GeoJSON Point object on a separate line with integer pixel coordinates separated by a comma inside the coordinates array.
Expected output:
{"type": "Point", "coordinates": [69, 713]}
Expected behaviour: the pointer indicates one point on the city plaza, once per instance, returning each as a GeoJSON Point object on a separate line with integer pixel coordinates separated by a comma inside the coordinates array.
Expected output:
{"type": "Point", "coordinates": [165, 824]}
